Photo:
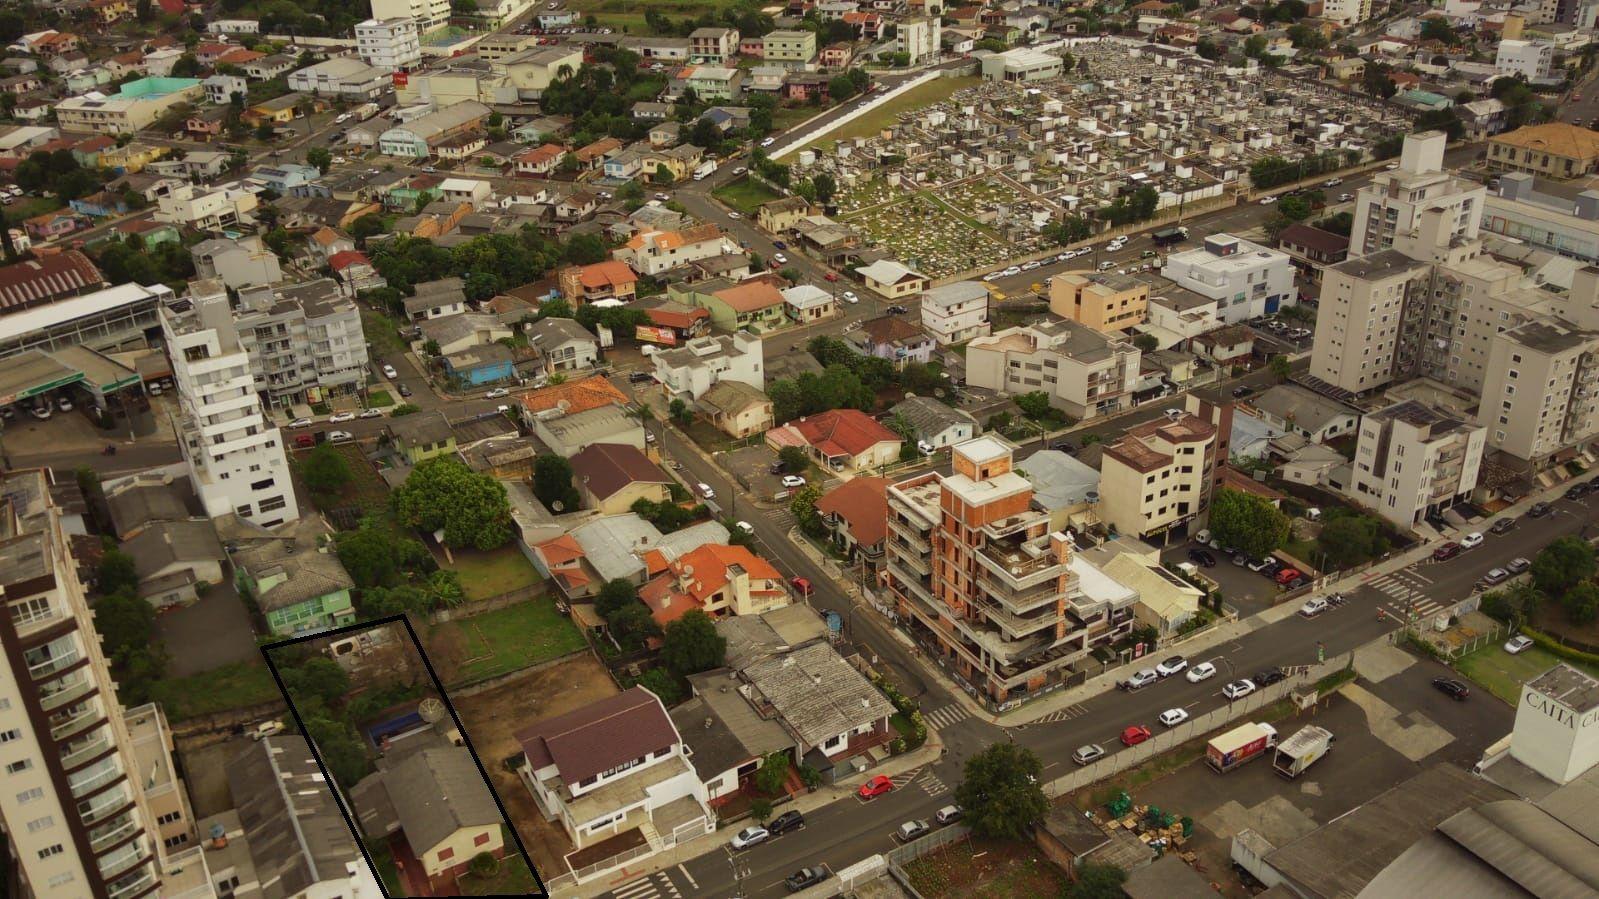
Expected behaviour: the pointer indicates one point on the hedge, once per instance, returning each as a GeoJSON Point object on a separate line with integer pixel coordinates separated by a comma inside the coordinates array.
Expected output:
{"type": "Point", "coordinates": [1558, 648]}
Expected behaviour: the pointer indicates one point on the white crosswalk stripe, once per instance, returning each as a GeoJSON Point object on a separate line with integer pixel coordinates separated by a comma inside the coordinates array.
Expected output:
{"type": "Point", "coordinates": [1065, 714]}
{"type": "Point", "coordinates": [932, 785]}
{"type": "Point", "coordinates": [946, 716]}
{"type": "Point", "coordinates": [904, 777]}
{"type": "Point", "coordinates": [655, 886]}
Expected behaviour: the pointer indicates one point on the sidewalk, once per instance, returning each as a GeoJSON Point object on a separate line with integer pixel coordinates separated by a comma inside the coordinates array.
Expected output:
{"type": "Point", "coordinates": [930, 752]}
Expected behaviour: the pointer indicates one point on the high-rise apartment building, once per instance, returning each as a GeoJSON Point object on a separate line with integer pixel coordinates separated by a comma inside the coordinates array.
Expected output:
{"type": "Point", "coordinates": [235, 456]}
{"type": "Point", "coordinates": [305, 342]}
{"type": "Point", "coordinates": [977, 574]}
{"type": "Point", "coordinates": [389, 43]}
{"type": "Point", "coordinates": [73, 800]}
{"type": "Point", "coordinates": [1542, 393]}
{"type": "Point", "coordinates": [1392, 203]}
{"type": "Point", "coordinates": [1412, 460]}
{"type": "Point", "coordinates": [1157, 476]}
{"type": "Point", "coordinates": [1347, 12]}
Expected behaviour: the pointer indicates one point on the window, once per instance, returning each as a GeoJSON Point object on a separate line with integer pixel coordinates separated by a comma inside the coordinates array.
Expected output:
{"type": "Point", "coordinates": [481, 839]}
{"type": "Point", "coordinates": [38, 824]}
{"type": "Point", "coordinates": [446, 853]}
{"type": "Point", "coordinates": [27, 796]}
{"type": "Point", "coordinates": [48, 851]}
{"type": "Point", "coordinates": [6, 736]}
{"type": "Point", "coordinates": [19, 767]}
{"type": "Point", "coordinates": [170, 817]}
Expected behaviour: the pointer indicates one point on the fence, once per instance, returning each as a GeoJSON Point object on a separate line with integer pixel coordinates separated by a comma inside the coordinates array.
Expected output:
{"type": "Point", "coordinates": [475, 687]}
{"type": "Point", "coordinates": [1193, 728]}
{"type": "Point", "coordinates": [482, 606]}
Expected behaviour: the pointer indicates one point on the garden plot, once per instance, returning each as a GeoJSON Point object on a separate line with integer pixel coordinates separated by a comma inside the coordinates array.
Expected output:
{"type": "Point", "coordinates": [941, 241]}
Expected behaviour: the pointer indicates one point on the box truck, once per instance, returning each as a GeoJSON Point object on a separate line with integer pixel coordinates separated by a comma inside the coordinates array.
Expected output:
{"type": "Point", "coordinates": [1301, 750]}
{"type": "Point", "coordinates": [1239, 745]}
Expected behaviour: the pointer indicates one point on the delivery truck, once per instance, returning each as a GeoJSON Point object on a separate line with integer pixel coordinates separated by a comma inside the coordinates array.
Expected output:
{"type": "Point", "coordinates": [1239, 745]}
{"type": "Point", "coordinates": [705, 169]}
{"type": "Point", "coordinates": [1301, 750]}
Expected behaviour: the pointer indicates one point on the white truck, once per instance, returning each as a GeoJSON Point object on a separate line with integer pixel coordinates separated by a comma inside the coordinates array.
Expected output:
{"type": "Point", "coordinates": [1301, 750]}
{"type": "Point", "coordinates": [365, 111]}
{"type": "Point", "coordinates": [1239, 745]}
{"type": "Point", "coordinates": [704, 170]}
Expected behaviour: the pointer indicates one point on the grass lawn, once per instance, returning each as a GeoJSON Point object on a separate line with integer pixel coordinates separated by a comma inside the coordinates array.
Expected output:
{"type": "Point", "coordinates": [28, 207]}
{"type": "Point", "coordinates": [377, 399]}
{"type": "Point", "coordinates": [515, 637]}
{"type": "Point", "coordinates": [745, 195]}
{"type": "Point", "coordinates": [1502, 674]}
{"type": "Point", "coordinates": [512, 879]}
{"type": "Point", "coordinates": [486, 574]}
{"type": "Point", "coordinates": [381, 331]}
{"type": "Point", "coordinates": [986, 867]}
{"type": "Point", "coordinates": [786, 117]}
{"type": "Point", "coordinates": [885, 114]}
{"type": "Point", "coordinates": [229, 687]}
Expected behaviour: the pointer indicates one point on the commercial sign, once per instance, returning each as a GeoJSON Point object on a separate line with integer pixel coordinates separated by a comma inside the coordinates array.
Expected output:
{"type": "Point", "coordinates": [653, 334]}
{"type": "Point", "coordinates": [1558, 712]}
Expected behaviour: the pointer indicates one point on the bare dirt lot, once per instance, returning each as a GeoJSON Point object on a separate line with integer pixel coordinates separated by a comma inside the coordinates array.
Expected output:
{"type": "Point", "coordinates": [981, 867]}
{"type": "Point", "coordinates": [492, 718]}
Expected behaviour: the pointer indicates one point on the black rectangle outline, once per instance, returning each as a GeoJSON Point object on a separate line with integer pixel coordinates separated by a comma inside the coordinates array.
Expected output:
{"type": "Point", "coordinates": [338, 797]}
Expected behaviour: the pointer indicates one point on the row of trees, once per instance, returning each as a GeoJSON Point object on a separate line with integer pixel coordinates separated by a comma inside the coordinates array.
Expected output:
{"type": "Point", "coordinates": [1274, 170]}
{"type": "Point", "coordinates": [848, 380]}
{"type": "Point", "coordinates": [1564, 571]}
{"type": "Point", "coordinates": [487, 264]}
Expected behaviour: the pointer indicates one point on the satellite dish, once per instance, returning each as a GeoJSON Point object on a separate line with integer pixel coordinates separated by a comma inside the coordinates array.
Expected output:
{"type": "Point", "coordinates": [431, 710]}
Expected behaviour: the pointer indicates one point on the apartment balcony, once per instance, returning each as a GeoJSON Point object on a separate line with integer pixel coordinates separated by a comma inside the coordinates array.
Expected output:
{"type": "Point", "coordinates": [920, 585]}
{"type": "Point", "coordinates": [1022, 601]}
{"type": "Point", "coordinates": [134, 886]}
{"type": "Point", "coordinates": [80, 754]}
{"type": "Point", "coordinates": [76, 725]}
{"type": "Point", "coordinates": [1020, 566]}
{"type": "Point", "coordinates": [66, 693]}
{"type": "Point", "coordinates": [121, 862]}
{"type": "Point", "coordinates": [45, 669]}
{"type": "Point", "coordinates": [907, 532]}
{"type": "Point", "coordinates": [1013, 625]}
{"type": "Point", "coordinates": [103, 807]}
{"type": "Point", "coordinates": [113, 832]}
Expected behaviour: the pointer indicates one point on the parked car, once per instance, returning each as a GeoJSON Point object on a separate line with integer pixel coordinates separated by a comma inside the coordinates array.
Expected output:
{"type": "Point", "coordinates": [877, 786]}
{"type": "Point", "coordinates": [1134, 734]}
{"type": "Point", "coordinates": [1576, 491]}
{"type": "Point", "coordinates": [850, 297]}
{"type": "Point", "coordinates": [1202, 557]}
{"type": "Point", "coordinates": [949, 814]}
{"type": "Point", "coordinates": [1471, 540]}
{"type": "Point", "coordinates": [1202, 671]}
{"type": "Point", "coordinates": [1288, 576]}
{"type": "Point", "coordinates": [496, 393]}
{"type": "Point", "coordinates": [789, 820]}
{"type": "Point", "coordinates": [340, 437]}
{"type": "Point", "coordinates": [341, 417]}
{"type": "Point", "coordinates": [802, 585]}
{"type": "Point", "coordinates": [1502, 526]}
{"type": "Point", "coordinates": [1171, 666]}
{"type": "Point", "coordinates": [1517, 644]}
{"type": "Point", "coordinates": [1085, 754]}
{"type": "Point", "coordinates": [1267, 200]}
{"type": "Point", "coordinates": [1240, 560]}
{"type": "Point", "coordinates": [1140, 679]}
{"type": "Point", "coordinates": [706, 491]}
{"type": "Point", "coordinates": [1267, 677]}
{"type": "Point", "coordinates": [1539, 510]}
{"type": "Point", "coordinates": [745, 527]}
{"type": "Point", "coordinates": [1494, 577]}
{"type": "Point", "coordinates": [897, 309]}
{"type": "Point", "coordinates": [304, 441]}
{"type": "Point", "coordinates": [804, 878]}
{"type": "Point", "coordinates": [371, 413]}
{"type": "Point", "coordinates": [750, 836]}
{"type": "Point", "coordinates": [1313, 606]}
{"type": "Point", "coordinates": [910, 830]}
{"type": "Point", "coordinates": [389, 372]}
{"type": "Point", "coordinates": [1242, 391]}
{"type": "Point", "coordinates": [793, 480]}
{"type": "Point", "coordinates": [1446, 552]}
{"type": "Point", "coordinates": [1173, 717]}
{"type": "Point", "coordinates": [1258, 565]}
{"type": "Point", "coordinates": [1452, 688]}
{"type": "Point", "coordinates": [1518, 565]}
{"type": "Point", "coordinates": [300, 423]}
{"type": "Point", "coordinates": [404, 390]}
{"type": "Point", "coordinates": [1238, 689]}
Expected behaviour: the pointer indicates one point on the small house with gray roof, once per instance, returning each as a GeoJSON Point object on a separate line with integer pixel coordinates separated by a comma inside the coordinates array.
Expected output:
{"type": "Point", "coordinates": [1300, 410]}
{"type": "Point", "coordinates": [437, 800]}
{"type": "Point", "coordinates": [172, 558]}
{"type": "Point", "coordinates": [298, 588]}
{"type": "Point", "coordinates": [933, 423]}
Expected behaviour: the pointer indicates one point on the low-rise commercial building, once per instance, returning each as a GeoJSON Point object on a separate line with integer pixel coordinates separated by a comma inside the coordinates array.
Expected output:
{"type": "Point", "coordinates": [134, 107]}
{"type": "Point", "coordinates": [1553, 149]}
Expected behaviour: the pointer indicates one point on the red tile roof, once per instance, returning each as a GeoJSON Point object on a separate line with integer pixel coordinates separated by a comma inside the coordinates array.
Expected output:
{"type": "Point", "coordinates": [47, 278]}
{"type": "Point", "coordinates": [682, 319]}
{"type": "Point", "coordinates": [345, 258]}
{"type": "Point", "coordinates": [578, 396]}
{"type": "Point", "coordinates": [863, 504]}
{"type": "Point", "coordinates": [843, 432]}
{"type": "Point", "coordinates": [705, 568]}
{"type": "Point", "coordinates": [599, 736]}
{"type": "Point", "coordinates": [609, 273]}
{"type": "Point", "coordinates": [750, 296]}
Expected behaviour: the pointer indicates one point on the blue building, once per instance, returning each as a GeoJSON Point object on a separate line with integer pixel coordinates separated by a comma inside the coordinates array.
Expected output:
{"type": "Point", "coordinates": [486, 364]}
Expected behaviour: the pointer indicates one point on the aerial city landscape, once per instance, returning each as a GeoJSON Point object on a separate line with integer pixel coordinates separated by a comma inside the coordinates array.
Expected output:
{"type": "Point", "coordinates": [873, 448]}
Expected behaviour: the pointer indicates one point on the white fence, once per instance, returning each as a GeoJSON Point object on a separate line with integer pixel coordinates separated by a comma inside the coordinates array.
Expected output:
{"type": "Point", "coordinates": [807, 136]}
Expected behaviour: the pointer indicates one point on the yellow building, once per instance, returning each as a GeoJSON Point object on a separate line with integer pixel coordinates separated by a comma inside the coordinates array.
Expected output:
{"type": "Point", "coordinates": [1107, 302]}
{"type": "Point", "coordinates": [132, 158]}
{"type": "Point", "coordinates": [1154, 478]}
{"type": "Point", "coordinates": [1553, 149]}
{"type": "Point", "coordinates": [790, 46]}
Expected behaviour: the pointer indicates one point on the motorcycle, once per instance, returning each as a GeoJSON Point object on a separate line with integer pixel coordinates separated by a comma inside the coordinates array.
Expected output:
{"type": "Point", "coordinates": [109, 450]}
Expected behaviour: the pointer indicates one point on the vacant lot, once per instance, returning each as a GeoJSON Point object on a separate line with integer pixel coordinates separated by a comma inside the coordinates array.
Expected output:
{"type": "Point", "coordinates": [366, 491]}
{"type": "Point", "coordinates": [235, 686]}
{"type": "Point", "coordinates": [981, 867]}
{"type": "Point", "coordinates": [491, 719]}
{"type": "Point", "coordinates": [1502, 674]}
{"type": "Point", "coordinates": [487, 574]}
{"type": "Point", "coordinates": [745, 195]}
{"type": "Point", "coordinates": [505, 640]}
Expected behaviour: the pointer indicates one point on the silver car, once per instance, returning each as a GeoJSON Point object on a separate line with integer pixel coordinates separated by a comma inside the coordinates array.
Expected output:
{"type": "Point", "coordinates": [1091, 752]}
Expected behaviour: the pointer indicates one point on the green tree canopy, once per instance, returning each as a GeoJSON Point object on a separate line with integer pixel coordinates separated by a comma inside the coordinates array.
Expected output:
{"type": "Point", "coordinates": [319, 677]}
{"type": "Point", "coordinates": [794, 459]}
{"type": "Point", "coordinates": [552, 483]}
{"type": "Point", "coordinates": [117, 572]}
{"type": "Point", "coordinates": [1247, 522]}
{"type": "Point", "coordinates": [1562, 565]}
{"type": "Point", "coordinates": [1349, 540]}
{"type": "Point", "coordinates": [1000, 792]}
{"type": "Point", "coordinates": [691, 645]}
{"type": "Point", "coordinates": [443, 494]}
{"type": "Point", "coordinates": [613, 595]}
{"type": "Point", "coordinates": [1097, 881]}
{"type": "Point", "coordinates": [325, 470]}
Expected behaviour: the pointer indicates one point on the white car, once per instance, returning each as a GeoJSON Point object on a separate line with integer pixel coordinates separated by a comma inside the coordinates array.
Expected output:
{"type": "Point", "coordinates": [781, 259]}
{"type": "Point", "coordinates": [371, 413]}
{"type": "Point", "coordinates": [1202, 671]}
{"type": "Point", "coordinates": [1267, 200]}
{"type": "Point", "coordinates": [1173, 717]}
{"type": "Point", "coordinates": [340, 436]}
{"type": "Point", "coordinates": [750, 836]}
{"type": "Point", "coordinates": [341, 417]}
{"type": "Point", "coordinates": [734, 215]}
{"type": "Point", "coordinates": [1171, 666]}
{"type": "Point", "coordinates": [1517, 644]}
{"type": "Point", "coordinates": [496, 393]}
{"type": "Point", "coordinates": [1238, 689]}
{"type": "Point", "coordinates": [1345, 198]}
{"type": "Point", "coordinates": [746, 527]}
{"type": "Point", "coordinates": [390, 373]}
{"type": "Point", "coordinates": [300, 423]}
{"type": "Point", "coordinates": [706, 491]}
{"type": "Point", "coordinates": [850, 297]}
{"type": "Point", "coordinates": [740, 170]}
{"type": "Point", "coordinates": [1471, 541]}
{"type": "Point", "coordinates": [1175, 413]}
{"type": "Point", "coordinates": [768, 142]}
{"type": "Point", "coordinates": [1012, 271]}
{"type": "Point", "coordinates": [1313, 606]}
{"type": "Point", "coordinates": [793, 480]}
{"type": "Point", "coordinates": [1029, 266]}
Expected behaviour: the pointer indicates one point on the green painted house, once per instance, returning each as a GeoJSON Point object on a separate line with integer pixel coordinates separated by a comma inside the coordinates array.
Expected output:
{"type": "Point", "coordinates": [422, 436]}
{"type": "Point", "coordinates": [754, 303]}
{"type": "Point", "coordinates": [297, 588]}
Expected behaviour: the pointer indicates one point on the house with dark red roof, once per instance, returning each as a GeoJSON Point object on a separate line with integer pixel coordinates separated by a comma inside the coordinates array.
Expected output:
{"type": "Point", "coordinates": [46, 279]}
{"type": "Point", "coordinates": [845, 440]}
{"type": "Point", "coordinates": [611, 477]}
{"type": "Point", "coordinates": [616, 775]}
{"type": "Point", "coordinates": [355, 272]}
{"type": "Point", "coordinates": [716, 579]}
{"type": "Point", "coordinates": [856, 515]}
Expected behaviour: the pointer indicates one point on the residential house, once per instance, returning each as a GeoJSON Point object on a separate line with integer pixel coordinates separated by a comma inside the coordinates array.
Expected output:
{"type": "Point", "coordinates": [436, 299]}
{"type": "Point", "coordinates": [208, 209]}
{"type": "Point", "coordinates": [779, 216]}
{"type": "Point", "coordinates": [563, 345]}
{"type": "Point", "coordinates": [355, 272]}
{"type": "Point", "coordinates": [49, 225]}
{"type": "Point", "coordinates": [1311, 249]}
{"type": "Point", "coordinates": [539, 162]}
{"type": "Point", "coordinates": [671, 323]}
{"type": "Point", "coordinates": [345, 77]}
{"type": "Point", "coordinates": [1299, 410]}
{"type": "Point", "coordinates": [841, 439]}
{"type": "Point", "coordinates": [610, 279]}
{"type": "Point", "coordinates": [173, 558]}
{"type": "Point", "coordinates": [611, 477]}
{"type": "Point", "coordinates": [856, 515]}
{"type": "Point", "coordinates": [689, 371]}
{"type": "Point", "coordinates": [1086, 373]}
{"type": "Point", "coordinates": [716, 579]}
{"type": "Point", "coordinates": [952, 313]}
{"type": "Point", "coordinates": [592, 156]}
{"type": "Point", "coordinates": [489, 363]}
{"type": "Point", "coordinates": [654, 252]}
{"type": "Point", "coordinates": [298, 588]}
{"type": "Point", "coordinates": [736, 408]}
{"type": "Point", "coordinates": [716, 45]}
{"type": "Point", "coordinates": [895, 338]}
{"type": "Point", "coordinates": [807, 303]}
{"type": "Point", "coordinates": [934, 424]}
{"type": "Point", "coordinates": [246, 262]}
{"type": "Point", "coordinates": [1104, 302]}
{"type": "Point", "coordinates": [566, 433]}
{"type": "Point", "coordinates": [1553, 150]}
{"type": "Point", "coordinates": [454, 333]}
{"type": "Point", "coordinates": [1157, 477]}
{"type": "Point", "coordinates": [1225, 346]}
{"type": "Point", "coordinates": [1166, 602]}
{"type": "Point", "coordinates": [421, 435]}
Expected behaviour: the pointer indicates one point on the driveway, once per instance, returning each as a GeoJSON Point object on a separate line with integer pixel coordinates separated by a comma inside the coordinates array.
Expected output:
{"type": "Point", "coordinates": [213, 632]}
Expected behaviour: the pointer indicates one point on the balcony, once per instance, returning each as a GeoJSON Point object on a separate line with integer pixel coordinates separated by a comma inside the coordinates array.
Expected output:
{"type": "Point", "coordinates": [97, 810]}
{"type": "Point", "coordinates": [1015, 626]}
{"type": "Point", "coordinates": [88, 750]}
{"type": "Point", "coordinates": [31, 622]}
{"type": "Point", "coordinates": [110, 772]}
{"type": "Point", "coordinates": [121, 860]}
{"type": "Point", "coordinates": [75, 725]}
{"type": "Point", "coordinates": [133, 886]}
{"type": "Point", "coordinates": [67, 692]}
{"type": "Point", "coordinates": [48, 667]}
{"type": "Point", "coordinates": [1020, 566]}
{"type": "Point", "coordinates": [114, 832]}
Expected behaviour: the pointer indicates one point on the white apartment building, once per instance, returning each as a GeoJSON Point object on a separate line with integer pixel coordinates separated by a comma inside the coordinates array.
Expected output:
{"type": "Point", "coordinates": [1347, 12]}
{"type": "Point", "coordinates": [1531, 60]}
{"type": "Point", "coordinates": [1085, 372]}
{"type": "Point", "coordinates": [1156, 477]}
{"type": "Point", "coordinates": [653, 252]}
{"type": "Point", "coordinates": [919, 36]}
{"type": "Point", "coordinates": [1392, 203]}
{"type": "Point", "coordinates": [956, 312]}
{"type": "Point", "coordinates": [689, 371]}
{"type": "Point", "coordinates": [305, 342]}
{"type": "Point", "coordinates": [342, 76]}
{"type": "Point", "coordinates": [1555, 222]}
{"type": "Point", "coordinates": [236, 458]}
{"type": "Point", "coordinates": [76, 817]}
{"type": "Point", "coordinates": [1542, 391]}
{"type": "Point", "coordinates": [208, 208]}
{"type": "Point", "coordinates": [1245, 279]}
{"type": "Point", "coordinates": [1358, 321]}
{"type": "Point", "coordinates": [1413, 460]}
{"type": "Point", "coordinates": [392, 44]}
{"type": "Point", "coordinates": [429, 15]}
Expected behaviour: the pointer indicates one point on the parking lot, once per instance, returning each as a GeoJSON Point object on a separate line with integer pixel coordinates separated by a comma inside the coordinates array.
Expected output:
{"type": "Point", "coordinates": [1279, 334]}
{"type": "Point", "coordinates": [1247, 591]}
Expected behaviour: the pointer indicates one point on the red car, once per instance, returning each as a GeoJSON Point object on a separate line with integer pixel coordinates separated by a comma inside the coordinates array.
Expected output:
{"type": "Point", "coordinates": [802, 585]}
{"type": "Point", "coordinates": [1287, 574]}
{"type": "Point", "coordinates": [877, 786]}
{"type": "Point", "coordinates": [1446, 552]}
{"type": "Point", "coordinates": [1135, 734]}
{"type": "Point", "coordinates": [831, 276]}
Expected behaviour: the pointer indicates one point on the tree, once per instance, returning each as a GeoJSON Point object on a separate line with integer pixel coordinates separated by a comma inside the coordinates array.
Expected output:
{"type": "Point", "coordinates": [632, 624]}
{"type": "Point", "coordinates": [1581, 602]}
{"type": "Point", "coordinates": [1562, 565]}
{"type": "Point", "coordinates": [825, 186]}
{"type": "Point", "coordinates": [680, 412]}
{"type": "Point", "coordinates": [803, 507]}
{"type": "Point", "coordinates": [691, 645]}
{"type": "Point", "coordinates": [186, 66]}
{"type": "Point", "coordinates": [1035, 404]}
{"type": "Point", "coordinates": [1281, 368]}
{"type": "Point", "coordinates": [1349, 540]}
{"type": "Point", "coordinates": [376, 556]}
{"type": "Point", "coordinates": [117, 572]}
{"type": "Point", "coordinates": [1438, 28]}
{"type": "Point", "coordinates": [325, 470]}
{"type": "Point", "coordinates": [126, 625]}
{"type": "Point", "coordinates": [1295, 209]}
{"type": "Point", "coordinates": [761, 810]}
{"type": "Point", "coordinates": [772, 773]}
{"type": "Point", "coordinates": [1514, 604]}
{"type": "Point", "coordinates": [319, 157]}
{"type": "Point", "coordinates": [1247, 522]}
{"type": "Point", "coordinates": [443, 494]}
{"type": "Point", "coordinates": [794, 459]}
{"type": "Point", "coordinates": [552, 483]}
{"type": "Point", "coordinates": [660, 682]}
{"type": "Point", "coordinates": [1097, 881]}
{"type": "Point", "coordinates": [319, 678]}
{"type": "Point", "coordinates": [1000, 793]}
{"type": "Point", "coordinates": [1147, 343]}
{"type": "Point", "coordinates": [613, 595]}
{"type": "Point", "coordinates": [369, 225]}
{"type": "Point", "coordinates": [663, 175]}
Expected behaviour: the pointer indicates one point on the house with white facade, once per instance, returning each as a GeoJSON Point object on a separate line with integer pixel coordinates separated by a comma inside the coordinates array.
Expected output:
{"type": "Point", "coordinates": [653, 252]}
{"type": "Point", "coordinates": [208, 208]}
{"type": "Point", "coordinates": [1245, 279]}
{"type": "Point", "coordinates": [391, 44]}
{"type": "Point", "coordinates": [690, 370]}
{"type": "Point", "coordinates": [956, 312]}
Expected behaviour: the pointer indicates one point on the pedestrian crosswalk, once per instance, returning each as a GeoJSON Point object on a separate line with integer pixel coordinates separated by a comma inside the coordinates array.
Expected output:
{"type": "Point", "coordinates": [932, 785]}
{"type": "Point", "coordinates": [780, 516]}
{"type": "Point", "coordinates": [1407, 594]}
{"type": "Point", "coordinates": [904, 777]}
{"type": "Point", "coordinates": [656, 886]}
{"type": "Point", "coordinates": [1065, 714]}
{"type": "Point", "coordinates": [946, 716]}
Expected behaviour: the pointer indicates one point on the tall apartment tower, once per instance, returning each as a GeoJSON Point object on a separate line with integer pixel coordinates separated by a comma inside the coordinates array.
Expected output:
{"type": "Point", "coordinates": [976, 573]}
{"type": "Point", "coordinates": [72, 796]}
{"type": "Point", "coordinates": [235, 456]}
{"type": "Point", "coordinates": [1392, 203]}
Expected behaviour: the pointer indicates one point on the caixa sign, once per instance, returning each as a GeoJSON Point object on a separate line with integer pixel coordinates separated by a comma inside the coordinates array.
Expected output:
{"type": "Point", "coordinates": [1559, 713]}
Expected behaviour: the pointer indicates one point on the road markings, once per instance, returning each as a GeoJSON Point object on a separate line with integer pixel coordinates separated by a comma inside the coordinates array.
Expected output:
{"type": "Point", "coordinates": [1065, 714]}
{"type": "Point", "coordinates": [932, 785]}
{"type": "Point", "coordinates": [946, 716]}
{"type": "Point", "coordinates": [654, 886]}
{"type": "Point", "coordinates": [688, 877]}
